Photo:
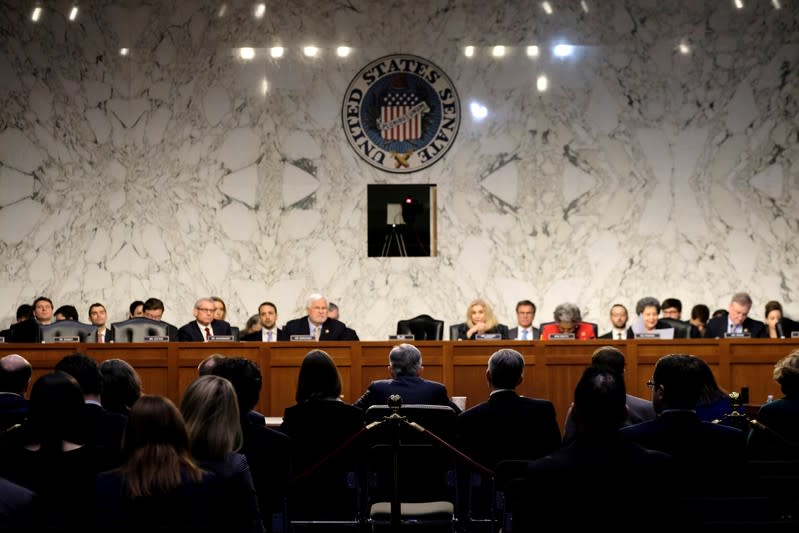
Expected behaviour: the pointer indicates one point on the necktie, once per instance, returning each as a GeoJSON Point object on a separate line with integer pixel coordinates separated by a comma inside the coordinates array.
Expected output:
{"type": "Point", "coordinates": [207, 333]}
{"type": "Point", "coordinates": [269, 336]}
{"type": "Point", "coordinates": [524, 334]}
{"type": "Point", "coordinates": [618, 335]}
{"type": "Point", "coordinates": [100, 337]}
{"type": "Point", "coordinates": [316, 332]}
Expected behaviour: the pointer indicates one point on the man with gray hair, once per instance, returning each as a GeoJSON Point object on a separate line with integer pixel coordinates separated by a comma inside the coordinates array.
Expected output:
{"type": "Point", "coordinates": [317, 323]}
{"type": "Point", "coordinates": [405, 367]}
{"type": "Point", "coordinates": [507, 426]}
{"type": "Point", "coordinates": [205, 326]}
{"type": "Point", "coordinates": [737, 321]}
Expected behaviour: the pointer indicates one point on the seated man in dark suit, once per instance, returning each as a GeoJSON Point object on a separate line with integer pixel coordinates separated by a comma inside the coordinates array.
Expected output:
{"type": "Point", "coordinates": [269, 332]}
{"type": "Point", "coordinates": [702, 451]}
{"type": "Point", "coordinates": [153, 308]}
{"type": "Point", "coordinates": [618, 318]}
{"type": "Point", "coordinates": [15, 376]}
{"type": "Point", "coordinates": [204, 327]}
{"type": "Point", "coordinates": [524, 330]}
{"type": "Point", "coordinates": [736, 320]}
{"type": "Point", "coordinates": [24, 312]}
{"type": "Point", "coordinates": [316, 322]}
{"type": "Point", "coordinates": [507, 426]}
{"type": "Point", "coordinates": [405, 366]}
{"type": "Point", "coordinates": [99, 317]}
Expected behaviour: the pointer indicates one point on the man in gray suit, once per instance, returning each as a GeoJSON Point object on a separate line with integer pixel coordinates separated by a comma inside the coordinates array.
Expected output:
{"type": "Point", "coordinates": [638, 409]}
{"type": "Point", "coordinates": [525, 313]}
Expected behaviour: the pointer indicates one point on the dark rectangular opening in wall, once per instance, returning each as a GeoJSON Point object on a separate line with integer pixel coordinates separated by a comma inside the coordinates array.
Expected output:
{"type": "Point", "coordinates": [401, 220]}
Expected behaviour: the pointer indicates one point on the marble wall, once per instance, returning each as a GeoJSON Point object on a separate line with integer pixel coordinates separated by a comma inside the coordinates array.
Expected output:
{"type": "Point", "coordinates": [173, 171]}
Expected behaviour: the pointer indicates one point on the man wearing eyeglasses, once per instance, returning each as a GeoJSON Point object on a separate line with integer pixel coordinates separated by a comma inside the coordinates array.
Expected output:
{"type": "Point", "coordinates": [205, 327]}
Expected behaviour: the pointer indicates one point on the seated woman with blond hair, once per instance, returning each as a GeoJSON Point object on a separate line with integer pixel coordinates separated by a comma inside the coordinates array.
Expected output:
{"type": "Point", "coordinates": [480, 320]}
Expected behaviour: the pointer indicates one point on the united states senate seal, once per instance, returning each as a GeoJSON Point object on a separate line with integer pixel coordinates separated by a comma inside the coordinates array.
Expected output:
{"type": "Point", "coordinates": [401, 113]}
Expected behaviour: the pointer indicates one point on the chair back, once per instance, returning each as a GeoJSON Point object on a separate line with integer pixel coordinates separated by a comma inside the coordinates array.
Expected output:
{"type": "Point", "coordinates": [682, 330]}
{"type": "Point", "coordinates": [68, 328]}
{"type": "Point", "coordinates": [454, 330]}
{"type": "Point", "coordinates": [422, 327]}
{"type": "Point", "coordinates": [138, 328]}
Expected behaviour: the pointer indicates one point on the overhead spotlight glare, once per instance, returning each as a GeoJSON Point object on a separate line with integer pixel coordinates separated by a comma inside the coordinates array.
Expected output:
{"type": "Point", "coordinates": [37, 12]}
{"type": "Point", "coordinates": [547, 7]}
{"type": "Point", "coordinates": [498, 51]}
{"type": "Point", "coordinates": [468, 51]}
{"type": "Point", "coordinates": [246, 53]}
{"type": "Point", "coordinates": [541, 83]}
{"type": "Point", "coordinates": [478, 110]}
{"type": "Point", "coordinates": [684, 49]}
{"type": "Point", "coordinates": [739, 4]}
{"type": "Point", "coordinates": [776, 4]}
{"type": "Point", "coordinates": [563, 50]}
{"type": "Point", "coordinates": [584, 5]}
{"type": "Point", "coordinates": [276, 51]}
{"type": "Point", "coordinates": [343, 51]}
{"type": "Point", "coordinates": [124, 51]}
{"type": "Point", "coordinates": [310, 51]}
{"type": "Point", "coordinates": [264, 86]}
{"type": "Point", "coordinates": [260, 9]}
{"type": "Point", "coordinates": [73, 13]}
{"type": "Point", "coordinates": [222, 11]}
{"type": "Point", "coordinates": [533, 51]}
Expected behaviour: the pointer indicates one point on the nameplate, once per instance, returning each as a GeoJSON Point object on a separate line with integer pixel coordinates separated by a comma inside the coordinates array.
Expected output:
{"type": "Point", "coordinates": [795, 334]}
{"type": "Point", "coordinates": [742, 335]}
{"type": "Point", "coordinates": [156, 338]}
{"type": "Point", "coordinates": [561, 336]}
{"type": "Point", "coordinates": [402, 337]}
{"type": "Point", "coordinates": [647, 335]}
{"type": "Point", "coordinates": [222, 338]}
{"type": "Point", "coordinates": [294, 338]}
{"type": "Point", "coordinates": [66, 339]}
{"type": "Point", "coordinates": [487, 336]}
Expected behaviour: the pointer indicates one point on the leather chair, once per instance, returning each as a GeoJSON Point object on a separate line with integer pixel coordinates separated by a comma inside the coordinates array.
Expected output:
{"type": "Point", "coordinates": [68, 328]}
{"type": "Point", "coordinates": [136, 329]}
{"type": "Point", "coordinates": [682, 330]}
{"type": "Point", "coordinates": [422, 327]}
{"type": "Point", "coordinates": [453, 330]}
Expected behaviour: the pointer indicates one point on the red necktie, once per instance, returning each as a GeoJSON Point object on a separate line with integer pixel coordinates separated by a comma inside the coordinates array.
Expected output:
{"type": "Point", "coordinates": [207, 333]}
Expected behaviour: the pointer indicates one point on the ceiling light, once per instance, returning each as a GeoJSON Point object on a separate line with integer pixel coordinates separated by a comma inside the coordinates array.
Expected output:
{"type": "Point", "coordinates": [310, 51]}
{"type": "Point", "coordinates": [468, 51]}
{"type": "Point", "coordinates": [563, 50]}
{"type": "Point", "coordinates": [584, 5]}
{"type": "Point", "coordinates": [739, 4]}
{"type": "Point", "coordinates": [684, 49]}
{"type": "Point", "coordinates": [498, 51]}
{"type": "Point", "coordinates": [478, 110]}
{"type": "Point", "coordinates": [547, 7]}
{"type": "Point", "coordinates": [541, 83]}
{"type": "Point", "coordinates": [73, 13]}
{"type": "Point", "coordinates": [37, 12]}
{"type": "Point", "coordinates": [260, 9]}
{"type": "Point", "coordinates": [246, 53]}
{"type": "Point", "coordinates": [222, 11]}
{"type": "Point", "coordinates": [532, 51]}
{"type": "Point", "coordinates": [776, 4]}
{"type": "Point", "coordinates": [276, 51]}
{"type": "Point", "coordinates": [264, 86]}
{"type": "Point", "coordinates": [343, 51]}
{"type": "Point", "coordinates": [124, 51]}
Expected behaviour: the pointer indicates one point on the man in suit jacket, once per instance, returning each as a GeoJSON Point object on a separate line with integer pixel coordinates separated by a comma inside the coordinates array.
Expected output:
{"type": "Point", "coordinates": [701, 450]}
{"type": "Point", "coordinates": [736, 321]}
{"type": "Point", "coordinates": [204, 327]}
{"type": "Point", "coordinates": [15, 376]}
{"type": "Point", "coordinates": [316, 322]}
{"type": "Point", "coordinates": [269, 332]}
{"type": "Point", "coordinates": [507, 426]}
{"type": "Point", "coordinates": [638, 409]}
{"type": "Point", "coordinates": [99, 317]}
{"type": "Point", "coordinates": [405, 365]}
{"type": "Point", "coordinates": [525, 313]}
{"type": "Point", "coordinates": [618, 318]}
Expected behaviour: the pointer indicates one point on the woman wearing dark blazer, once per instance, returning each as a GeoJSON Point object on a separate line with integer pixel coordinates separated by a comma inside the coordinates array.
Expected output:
{"type": "Point", "coordinates": [480, 320]}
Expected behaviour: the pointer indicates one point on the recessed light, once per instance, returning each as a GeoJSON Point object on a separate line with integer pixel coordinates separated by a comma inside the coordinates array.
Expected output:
{"type": "Point", "coordinates": [468, 51]}
{"type": "Point", "coordinates": [276, 51]}
{"type": "Point", "coordinates": [310, 51]}
{"type": "Point", "coordinates": [73, 13]}
{"type": "Point", "coordinates": [541, 83]}
{"type": "Point", "coordinates": [260, 9]}
{"type": "Point", "coordinates": [498, 51]}
{"type": "Point", "coordinates": [247, 53]}
{"type": "Point", "coordinates": [343, 51]}
{"type": "Point", "coordinates": [37, 12]}
{"type": "Point", "coordinates": [533, 51]}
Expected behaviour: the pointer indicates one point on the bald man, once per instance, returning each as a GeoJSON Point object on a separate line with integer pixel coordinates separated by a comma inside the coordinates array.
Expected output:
{"type": "Point", "coordinates": [15, 377]}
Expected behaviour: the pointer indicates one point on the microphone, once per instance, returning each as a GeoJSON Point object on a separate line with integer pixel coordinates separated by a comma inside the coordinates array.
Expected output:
{"type": "Point", "coordinates": [780, 334]}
